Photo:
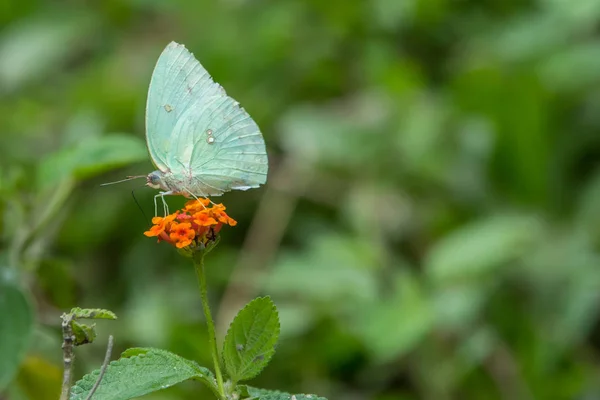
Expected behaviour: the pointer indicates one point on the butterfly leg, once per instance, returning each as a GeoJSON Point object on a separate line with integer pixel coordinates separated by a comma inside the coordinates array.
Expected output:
{"type": "Point", "coordinates": [207, 198]}
{"type": "Point", "coordinates": [194, 196]}
{"type": "Point", "coordinates": [165, 205]}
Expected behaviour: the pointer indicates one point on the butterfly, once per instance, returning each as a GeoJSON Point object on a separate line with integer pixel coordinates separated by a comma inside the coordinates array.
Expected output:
{"type": "Point", "coordinates": [200, 140]}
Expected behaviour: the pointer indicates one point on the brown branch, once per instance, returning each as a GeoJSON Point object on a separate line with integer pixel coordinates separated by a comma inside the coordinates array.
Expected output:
{"type": "Point", "coordinates": [68, 355]}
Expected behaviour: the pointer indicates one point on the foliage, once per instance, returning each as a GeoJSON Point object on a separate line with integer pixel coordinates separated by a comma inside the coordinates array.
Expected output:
{"type": "Point", "coordinates": [264, 394]}
{"type": "Point", "coordinates": [251, 338]}
{"type": "Point", "coordinates": [15, 330]}
{"type": "Point", "coordinates": [429, 228]}
{"type": "Point", "coordinates": [249, 346]}
{"type": "Point", "coordinates": [147, 371]}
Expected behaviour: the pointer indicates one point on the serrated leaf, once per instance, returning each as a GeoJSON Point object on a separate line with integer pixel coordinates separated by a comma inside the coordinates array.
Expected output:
{"type": "Point", "coordinates": [90, 158]}
{"type": "Point", "coordinates": [83, 333]}
{"type": "Point", "coordinates": [264, 394]}
{"type": "Point", "coordinates": [250, 341]}
{"type": "Point", "coordinates": [15, 330]}
{"type": "Point", "coordinates": [92, 313]}
{"type": "Point", "coordinates": [145, 373]}
{"type": "Point", "coordinates": [136, 351]}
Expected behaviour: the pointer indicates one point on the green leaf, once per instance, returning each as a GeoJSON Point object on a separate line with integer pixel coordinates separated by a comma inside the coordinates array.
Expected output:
{"type": "Point", "coordinates": [92, 313]}
{"type": "Point", "coordinates": [329, 136]}
{"type": "Point", "coordinates": [264, 394]}
{"type": "Point", "coordinates": [251, 338]}
{"type": "Point", "coordinates": [36, 46]}
{"type": "Point", "coordinates": [584, 58]}
{"type": "Point", "coordinates": [149, 371]}
{"type": "Point", "coordinates": [15, 329]}
{"type": "Point", "coordinates": [83, 333]}
{"type": "Point", "coordinates": [136, 351]}
{"type": "Point", "coordinates": [483, 247]}
{"type": "Point", "coordinates": [38, 378]}
{"type": "Point", "coordinates": [395, 324]}
{"type": "Point", "coordinates": [90, 158]}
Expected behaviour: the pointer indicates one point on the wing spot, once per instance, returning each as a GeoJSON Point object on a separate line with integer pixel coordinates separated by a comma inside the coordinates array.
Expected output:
{"type": "Point", "coordinates": [209, 132]}
{"type": "Point", "coordinates": [168, 108]}
{"type": "Point", "coordinates": [210, 140]}
{"type": "Point", "coordinates": [189, 89]}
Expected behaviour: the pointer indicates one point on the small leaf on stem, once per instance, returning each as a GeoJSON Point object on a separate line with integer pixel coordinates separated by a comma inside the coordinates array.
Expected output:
{"type": "Point", "coordinates": [250, 341]}
{"type": "Point", "coordinates": [92, 313]}
{"type": "Point", "coordinates": [83, 333]}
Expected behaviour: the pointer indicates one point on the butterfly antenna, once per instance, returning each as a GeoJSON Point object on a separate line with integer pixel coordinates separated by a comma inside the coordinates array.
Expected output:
{"type": "Point", "coordinates": [124, 180]}
{"type": "Point", "coordinates": [140, 207]}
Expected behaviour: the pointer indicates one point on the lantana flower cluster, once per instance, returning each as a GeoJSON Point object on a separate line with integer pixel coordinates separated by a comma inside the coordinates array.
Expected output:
{"type": "Point", "coordinates": [195, 224]}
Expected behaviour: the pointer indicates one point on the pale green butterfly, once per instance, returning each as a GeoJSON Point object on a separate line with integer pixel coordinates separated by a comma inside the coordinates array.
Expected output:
{"type": "Point", "coordinates": [200, 140]}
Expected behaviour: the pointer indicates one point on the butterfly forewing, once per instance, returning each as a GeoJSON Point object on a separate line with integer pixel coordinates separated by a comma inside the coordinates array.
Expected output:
{"type": "Point", "coordinates": [196, 132]}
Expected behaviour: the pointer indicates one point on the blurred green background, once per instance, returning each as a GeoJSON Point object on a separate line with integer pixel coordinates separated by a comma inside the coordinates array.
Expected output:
{"type": "Point", "coordinates": [430, 228]}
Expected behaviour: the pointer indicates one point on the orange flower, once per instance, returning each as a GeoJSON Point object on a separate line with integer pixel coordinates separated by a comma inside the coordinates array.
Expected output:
{"type": "Point", "coordinates": [160, 225]}
{"type": "Point", "coordinates": [182, 234]}
{"type": "Point", "coordinates": [218, 212]}
{"type": "Point", "coordinates": [193, 206]}
{"type": "Point", "coordinates": [195, 225]}
{"type": "Point", "coordinates": [203, 219]}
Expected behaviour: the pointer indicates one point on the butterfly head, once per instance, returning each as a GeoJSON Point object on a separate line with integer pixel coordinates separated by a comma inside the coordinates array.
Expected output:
{"type": "Point", "coordinates": [155, 180]}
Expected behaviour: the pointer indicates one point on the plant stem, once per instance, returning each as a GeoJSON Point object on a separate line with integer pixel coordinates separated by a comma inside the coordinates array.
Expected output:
{"type": "Point", "coordinates": [103, 369]}
{"type": "Point", "coordinates": [199, 267]}
{"type": "Point", "coordinates": [68, 355]}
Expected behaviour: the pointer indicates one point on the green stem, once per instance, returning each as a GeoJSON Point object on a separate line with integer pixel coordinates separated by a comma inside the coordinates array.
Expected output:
{"type": "Point", "coordinates": [199, 267]}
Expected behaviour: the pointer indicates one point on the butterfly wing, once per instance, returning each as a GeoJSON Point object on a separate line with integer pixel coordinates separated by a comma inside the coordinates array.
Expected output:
{"type": "Point", "coordinates": [195, 130]}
